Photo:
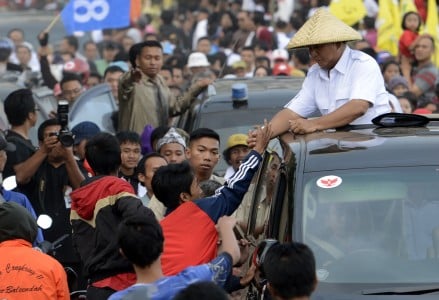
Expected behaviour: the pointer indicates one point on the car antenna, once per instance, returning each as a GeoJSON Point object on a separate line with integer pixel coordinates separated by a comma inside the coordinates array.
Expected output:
{"type": "Point", "coordinates": [225, 61]}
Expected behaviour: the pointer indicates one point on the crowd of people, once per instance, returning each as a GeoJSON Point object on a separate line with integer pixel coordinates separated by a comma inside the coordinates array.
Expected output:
{"type": "Point", "coordinates": [143, 209]}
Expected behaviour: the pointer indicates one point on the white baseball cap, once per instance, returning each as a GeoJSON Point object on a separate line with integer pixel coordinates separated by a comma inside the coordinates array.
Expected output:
{"type": "Point", "coordinates": [280, 54]}
{"type": "Point", "coordinates": [197, 59]}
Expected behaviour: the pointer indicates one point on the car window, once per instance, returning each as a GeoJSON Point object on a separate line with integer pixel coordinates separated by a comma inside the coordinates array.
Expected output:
{"type": "Point", "coordinates": [265, 192]}
{"type": "Point", "coordinates": [361, 222]}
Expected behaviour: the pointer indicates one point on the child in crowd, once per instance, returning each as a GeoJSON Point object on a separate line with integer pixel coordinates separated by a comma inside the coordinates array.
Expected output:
{"type": "Point", "coordinates": [389, 70]}
{"type": "Point", "coordinates": [411, 23]}
{"type": "Point", "coordinates": [398, 85]}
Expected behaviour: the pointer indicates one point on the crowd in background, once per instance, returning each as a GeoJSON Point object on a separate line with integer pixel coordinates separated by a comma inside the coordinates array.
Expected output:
{"type": "Point", "coordinates": [213, 39]}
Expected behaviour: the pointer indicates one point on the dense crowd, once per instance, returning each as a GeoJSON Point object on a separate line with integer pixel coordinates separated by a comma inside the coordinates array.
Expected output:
{"type": "Point", "coordinates": [132, 203]}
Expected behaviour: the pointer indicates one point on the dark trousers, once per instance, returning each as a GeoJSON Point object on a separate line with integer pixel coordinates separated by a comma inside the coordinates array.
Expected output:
{"type": "Point", "coordinates": [94, 293]}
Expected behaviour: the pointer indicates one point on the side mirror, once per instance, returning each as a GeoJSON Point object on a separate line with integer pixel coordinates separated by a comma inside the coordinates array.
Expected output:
{"type": "Point", "coordinates": [211, 91]}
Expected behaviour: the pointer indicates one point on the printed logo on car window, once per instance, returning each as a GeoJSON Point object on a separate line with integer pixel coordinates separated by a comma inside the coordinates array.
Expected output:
{"type": "Point", "coordinates": [329, 182]}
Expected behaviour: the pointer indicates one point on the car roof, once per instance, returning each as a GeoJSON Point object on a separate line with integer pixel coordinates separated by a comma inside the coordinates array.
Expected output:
{"type": "Point", "coordinates": [282, 89]}
{"type": "Point", "coordinates": [371, 147]}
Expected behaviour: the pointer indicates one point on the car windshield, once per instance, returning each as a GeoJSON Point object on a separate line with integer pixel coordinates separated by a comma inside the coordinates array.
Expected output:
{"type": "Point", "coordinates": [374, 225]}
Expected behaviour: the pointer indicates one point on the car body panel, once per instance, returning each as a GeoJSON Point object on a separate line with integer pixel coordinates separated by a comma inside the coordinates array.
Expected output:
{"type": "Point", "coordinates": [365, 200]}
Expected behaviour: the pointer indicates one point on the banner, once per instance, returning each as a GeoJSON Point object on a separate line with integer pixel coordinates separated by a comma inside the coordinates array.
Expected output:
{"type": "Point", "coordinates": [406, 6]}
{"type": "Point", "coordinates": [349, 11]}
{"type": "Point", "coordinates": [431, 28]}
{"type": "Point", "coordinates": [88, 15]}
{"type": "Point", "coordinates": [389, 26]}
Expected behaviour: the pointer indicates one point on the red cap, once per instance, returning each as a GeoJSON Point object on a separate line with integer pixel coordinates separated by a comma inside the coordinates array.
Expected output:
{"type": "Point", "coordinates": [282, 68]}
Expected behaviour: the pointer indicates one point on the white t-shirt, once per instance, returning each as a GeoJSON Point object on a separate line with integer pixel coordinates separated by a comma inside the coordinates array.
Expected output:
{"type": "Point", "coordinates": [355, 76]}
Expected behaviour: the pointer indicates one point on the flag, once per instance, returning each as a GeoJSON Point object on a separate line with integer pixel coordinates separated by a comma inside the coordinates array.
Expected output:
{"type": "Point", "coordinates": [135, 10]}
{"type": "Point", "coordinates": [406, 6]}
{"type": "Point", "coordinates": [431, 28]}
{"type": "Point", "coordinates": [349, 11]}
{"type": "Point", "coordinates": [389, 26]}
{"type": "Point", "coordinates": [88, 15]}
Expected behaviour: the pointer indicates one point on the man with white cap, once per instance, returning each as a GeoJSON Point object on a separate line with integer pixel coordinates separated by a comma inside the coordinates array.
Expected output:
{"type": "Point", "coordinates": [345, 85]}
{"type": "Point", "coordinates": [197, 62]}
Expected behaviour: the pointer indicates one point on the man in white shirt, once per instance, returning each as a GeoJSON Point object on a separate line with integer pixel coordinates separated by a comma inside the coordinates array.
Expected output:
{"type": "Point", "coordinates": [345, 85]}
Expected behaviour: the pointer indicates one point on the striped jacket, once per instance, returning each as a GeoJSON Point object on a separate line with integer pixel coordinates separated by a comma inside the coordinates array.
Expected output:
{"type": "Point", "coordinates": [189, 231]}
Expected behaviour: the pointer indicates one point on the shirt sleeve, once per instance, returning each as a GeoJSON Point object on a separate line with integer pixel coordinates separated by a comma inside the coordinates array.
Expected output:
{"type": "Point", "coordinates": [365, 70]}
{"type": "Point", "coordinates": [229, 197]}
{"type": "Point", "coordinates": [304, 103]}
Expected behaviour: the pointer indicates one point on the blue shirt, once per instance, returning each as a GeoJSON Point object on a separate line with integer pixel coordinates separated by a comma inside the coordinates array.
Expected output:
{"type": "Point", "coordinates": [166, 288]}
{"type": "Point", "coordinates": [23, 201]}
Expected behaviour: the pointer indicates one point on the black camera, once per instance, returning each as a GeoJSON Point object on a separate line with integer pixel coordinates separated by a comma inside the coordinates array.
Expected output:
{"type": "Point", "coordinates": [65, 136]}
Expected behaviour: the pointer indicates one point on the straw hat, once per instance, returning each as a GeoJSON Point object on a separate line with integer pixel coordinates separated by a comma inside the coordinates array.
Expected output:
{"type": "Point", "coordinates": [322, 28]}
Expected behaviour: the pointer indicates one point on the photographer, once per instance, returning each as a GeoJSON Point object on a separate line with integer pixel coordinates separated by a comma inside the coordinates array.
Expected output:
{"type": "Point", "coordinates": [55, 173]}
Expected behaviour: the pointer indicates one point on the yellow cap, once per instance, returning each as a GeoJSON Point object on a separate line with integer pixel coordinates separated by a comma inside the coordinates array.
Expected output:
{"type": "Point", "coordinates": [237, 139]}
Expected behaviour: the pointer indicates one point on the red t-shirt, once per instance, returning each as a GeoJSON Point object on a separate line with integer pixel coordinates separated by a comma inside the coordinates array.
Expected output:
{"type": "Point", "coordinates": [406, 39]}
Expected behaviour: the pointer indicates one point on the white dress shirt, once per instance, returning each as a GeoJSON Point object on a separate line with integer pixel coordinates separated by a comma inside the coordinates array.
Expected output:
{"type": "Point", "coordinates": [355, 76]}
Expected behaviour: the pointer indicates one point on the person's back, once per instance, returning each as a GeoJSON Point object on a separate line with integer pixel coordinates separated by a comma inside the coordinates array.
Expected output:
{"type": "Point", "coordinates": [141, 241]}
{"type": "Point", "coordinates": [26, 273]}
{"type": "Point", "coordinates": [290, 270]}
{"type": "Point", "coordinates": [98, 207]}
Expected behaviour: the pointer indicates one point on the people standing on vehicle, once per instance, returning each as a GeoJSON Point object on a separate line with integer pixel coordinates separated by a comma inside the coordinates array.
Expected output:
{"type": "Point", "coordinates": [145, 171]}
{"type": "Point", "coordinates": [335, 84]}
{"type": "Point", "coordinates": [172, 146]}
{"type": "Point", "coordinates": [290, 270]}
{"type": "Point", "coordinates": [98, 207]}
{"type": "Point", "coordinates": [144, 97]}
{"type": "Point", "coordinates": [203, 153]}
{"type": "Point", "coordinates": [25, 272]}
{"type": "Point", "coordinates": [129, 142]}
{"type": "Point", "coordinates": [142, 242]}
{"type": "Point", "coordinates": [237, 149]}
{"type": "Point", "coordinates": [177, 187]}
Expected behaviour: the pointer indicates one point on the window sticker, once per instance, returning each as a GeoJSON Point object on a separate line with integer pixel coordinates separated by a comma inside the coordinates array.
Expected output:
{"type": "Point", "coordinates": [329, 182]}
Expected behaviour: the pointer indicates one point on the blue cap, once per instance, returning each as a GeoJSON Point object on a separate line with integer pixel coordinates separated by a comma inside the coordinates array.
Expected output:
{"type": "Point", "coordinates": [239, 91]}
{"type": "Point", "coordinates": [84, 130]}
{"type": "Point", "coordinates": [121, 64]}
{"type": "Point", "coordinates": [6, 43]}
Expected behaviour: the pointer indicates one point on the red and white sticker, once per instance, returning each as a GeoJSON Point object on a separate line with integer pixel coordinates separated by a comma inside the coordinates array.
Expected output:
{"type": "Point", "coordinates": [329, 182]}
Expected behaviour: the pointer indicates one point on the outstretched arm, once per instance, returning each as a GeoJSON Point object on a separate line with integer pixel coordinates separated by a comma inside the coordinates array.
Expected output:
{"type": "Point", "coordinates": [342, 116]}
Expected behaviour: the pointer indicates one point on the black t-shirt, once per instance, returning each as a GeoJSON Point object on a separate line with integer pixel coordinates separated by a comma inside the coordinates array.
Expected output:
{"type": "Point", "coordinates": [24, 150]}
{"type": "Point", "coordinates": [50, 189]}
{"type": "Point", "coordinates": [132, 179]}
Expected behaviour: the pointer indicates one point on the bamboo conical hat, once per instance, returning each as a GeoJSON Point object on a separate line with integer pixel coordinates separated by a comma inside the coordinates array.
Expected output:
{"type": "Point", "coordinates": [323, 27]}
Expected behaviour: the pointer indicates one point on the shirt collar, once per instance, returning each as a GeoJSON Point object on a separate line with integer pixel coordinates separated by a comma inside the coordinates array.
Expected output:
{"type": "Point", "coordinates": [342, 64]}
